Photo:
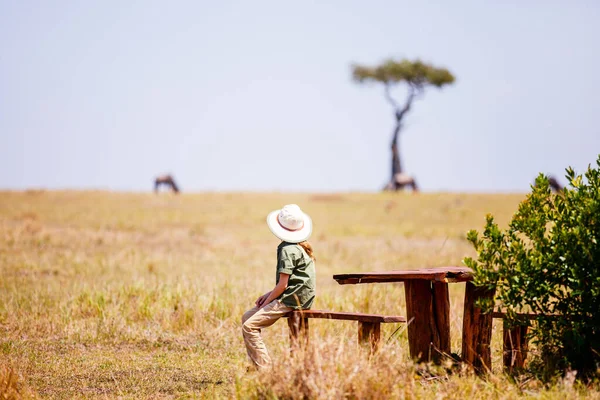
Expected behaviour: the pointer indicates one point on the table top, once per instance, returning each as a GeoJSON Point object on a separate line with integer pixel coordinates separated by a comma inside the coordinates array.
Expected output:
{"type": "Point", "coordinates": [438, 274]}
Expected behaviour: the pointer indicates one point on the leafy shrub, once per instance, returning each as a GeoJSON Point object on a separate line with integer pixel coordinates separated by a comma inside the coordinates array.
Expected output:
{"type": "Point", "coordinates": [548, 262]}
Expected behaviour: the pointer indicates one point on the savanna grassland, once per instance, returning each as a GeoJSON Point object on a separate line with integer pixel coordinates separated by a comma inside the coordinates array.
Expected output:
{"type": "Point", "coordinates": [106, 295]}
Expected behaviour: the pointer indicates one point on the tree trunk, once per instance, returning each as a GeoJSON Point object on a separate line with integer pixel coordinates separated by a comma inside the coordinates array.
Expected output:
{"type": "Point", "coordinates": [396, 164]}
{"type": "Point", "coordinates": [399, 114]}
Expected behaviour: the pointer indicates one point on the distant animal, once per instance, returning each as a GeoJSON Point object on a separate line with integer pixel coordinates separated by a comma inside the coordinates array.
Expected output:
{"type": "Point", "coordinates": [165, 180]}
{"type": "Point", "coordinates": [400, 181]}
{"type": "Point", "coordinates": [554, 184]}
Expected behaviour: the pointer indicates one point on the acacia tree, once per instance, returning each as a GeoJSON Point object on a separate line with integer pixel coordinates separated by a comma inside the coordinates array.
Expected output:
{"type": "Point", "coordinates": [417, 75]}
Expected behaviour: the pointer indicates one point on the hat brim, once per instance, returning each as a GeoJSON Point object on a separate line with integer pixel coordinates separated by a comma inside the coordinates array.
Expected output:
{"type": "Point", "coordinates": [289, 236]}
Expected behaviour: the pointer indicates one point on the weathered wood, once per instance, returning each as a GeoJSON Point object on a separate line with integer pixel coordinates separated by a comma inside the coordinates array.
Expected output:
{"type": "Point", "coordinates": [515, 347]}
{"type": "Point", "coordinates": [298, 329]}
{"type": "Point", "coordinates": [477, 330]}
{"type": "Point", "coordinates": [369, 325]}
{"type": "Point", "coordinates": [441, 313]}
{"type": "Point", "coordinates": [428, 313]}
{"type": "Point", "coordinates": [374, 318]}
{"type": "Point", "coordinates": [419, 300]}
{"type": "Point", "coordinates": [369, 334]}
{"type": "Point", "coordinates": [440, 274]}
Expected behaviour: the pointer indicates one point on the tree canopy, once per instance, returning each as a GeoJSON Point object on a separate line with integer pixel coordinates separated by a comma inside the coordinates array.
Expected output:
{"type": "Point", "coordinates": [416, 74]}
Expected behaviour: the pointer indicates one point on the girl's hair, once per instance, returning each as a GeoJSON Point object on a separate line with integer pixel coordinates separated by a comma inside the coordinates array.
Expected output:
{"type": "Point", "coordinates": [307, 248]}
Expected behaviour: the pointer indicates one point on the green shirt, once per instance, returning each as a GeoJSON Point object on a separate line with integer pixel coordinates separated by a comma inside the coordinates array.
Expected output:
{"type": "Point", "coordinates": [301, 289]}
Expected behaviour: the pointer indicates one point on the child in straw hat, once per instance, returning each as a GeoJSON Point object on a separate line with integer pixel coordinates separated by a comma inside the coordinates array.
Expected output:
{"type": "Point", "coordinates": [295, 282]}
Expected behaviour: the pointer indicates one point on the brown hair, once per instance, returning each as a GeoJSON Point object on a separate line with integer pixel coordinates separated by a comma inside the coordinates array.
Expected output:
{"type": "Point", "coordinates": [307, 248]}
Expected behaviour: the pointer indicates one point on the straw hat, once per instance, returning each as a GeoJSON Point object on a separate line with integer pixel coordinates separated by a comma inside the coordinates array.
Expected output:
{"type": "Point", "coordinates": [290, 224]}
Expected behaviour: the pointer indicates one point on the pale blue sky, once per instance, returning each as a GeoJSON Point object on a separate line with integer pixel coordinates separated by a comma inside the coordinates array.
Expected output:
{"type": "Point", "coordinates": [258, 95]}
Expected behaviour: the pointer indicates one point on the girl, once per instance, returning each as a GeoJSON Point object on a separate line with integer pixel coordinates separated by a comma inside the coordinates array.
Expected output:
{"type": "Point", "coordinates": [294, 284]}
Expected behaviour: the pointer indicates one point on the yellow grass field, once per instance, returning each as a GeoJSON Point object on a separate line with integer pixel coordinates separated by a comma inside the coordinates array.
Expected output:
{"type": "Point", "coordinates": [106, 295]}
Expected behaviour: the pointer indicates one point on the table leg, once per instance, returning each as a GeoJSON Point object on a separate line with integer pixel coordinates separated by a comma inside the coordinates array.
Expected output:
{"type": "Point", "coordinates": [477, 330]}
{"type": "Point", "coordinates": [441, 312]}
{"type": "Point", "coordinates": [428, 314]}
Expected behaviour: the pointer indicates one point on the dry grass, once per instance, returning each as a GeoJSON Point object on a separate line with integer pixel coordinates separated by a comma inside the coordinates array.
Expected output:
{"type": "Point", "coordinates": [12, 386]}
{"type": "Point", "coordinates": [139, 296]}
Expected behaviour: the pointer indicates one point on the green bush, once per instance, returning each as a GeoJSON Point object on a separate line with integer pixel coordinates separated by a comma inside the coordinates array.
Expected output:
{"type": "Point", "coordinates": [548, 262]}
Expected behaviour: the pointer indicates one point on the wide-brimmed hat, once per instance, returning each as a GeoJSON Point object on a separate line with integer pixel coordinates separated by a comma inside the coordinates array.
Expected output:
{"type": "Point", "coordinates": [290, 224]}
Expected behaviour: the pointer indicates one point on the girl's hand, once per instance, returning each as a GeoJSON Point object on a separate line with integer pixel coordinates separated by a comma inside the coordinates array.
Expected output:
{"type": "Point", "coordinates": [259, 302]}
{"type": "Point", "coordinates": [275, 293]}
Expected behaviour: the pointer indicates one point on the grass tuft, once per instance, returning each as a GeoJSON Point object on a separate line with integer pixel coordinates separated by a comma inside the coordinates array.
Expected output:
{"type": "Point", "coordinates": [12, 386]}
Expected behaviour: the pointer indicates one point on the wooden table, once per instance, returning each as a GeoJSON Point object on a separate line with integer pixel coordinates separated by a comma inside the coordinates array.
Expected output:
{"type": "Point", "coordinates": [428, 312]}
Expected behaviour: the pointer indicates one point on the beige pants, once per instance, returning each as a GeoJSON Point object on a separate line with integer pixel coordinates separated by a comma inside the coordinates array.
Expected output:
{"type": "Point", "coordinates": [253, 321]}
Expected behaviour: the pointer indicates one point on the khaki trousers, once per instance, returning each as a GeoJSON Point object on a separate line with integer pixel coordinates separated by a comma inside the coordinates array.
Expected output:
{"type": "Point", "coordinates": [253, 321]}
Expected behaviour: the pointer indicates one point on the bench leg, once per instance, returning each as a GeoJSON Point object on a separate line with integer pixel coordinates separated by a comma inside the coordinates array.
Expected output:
{"type": "Point", "coordinates": [515, 347]}
{"type": "Point", "coordinates": [369, 334]}
{"type": "Point", "coordinates": [428, 314]}
{"type": "Point", "coordinates": [298, 329]}
{"type": "Point", "coordinates": [477, 330]}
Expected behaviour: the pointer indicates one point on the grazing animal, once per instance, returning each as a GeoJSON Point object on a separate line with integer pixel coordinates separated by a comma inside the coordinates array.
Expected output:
{"type": "Point", "coordinates": [557, 187]}
{"type": "Point", "coordinates": [554, 185]}
{"type": "Point", "coordinates": [165, 180]}
{"type": "Point", "coordinates": [399, 179]}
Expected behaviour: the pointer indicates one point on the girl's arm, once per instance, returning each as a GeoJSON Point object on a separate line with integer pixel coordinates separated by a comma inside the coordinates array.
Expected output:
{"type": "Point", "coordinates": [261, 299]}
{"type": "Point", "coordinates": [277, 291]}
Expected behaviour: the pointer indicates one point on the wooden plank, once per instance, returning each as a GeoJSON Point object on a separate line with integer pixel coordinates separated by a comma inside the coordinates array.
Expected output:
{"type": "Point", "coordinates": [515, 347]}
{"type": "Point", "coordinates": [477, 330]}
{"type": "Point", "coordinates": [440, 274]}
{"type": "Point", "coordinates": [369, 334]}
{"type": "Point", "coordinates": [374, 318]}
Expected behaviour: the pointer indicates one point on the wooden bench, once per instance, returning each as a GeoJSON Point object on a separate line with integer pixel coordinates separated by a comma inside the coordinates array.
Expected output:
{"type": "Point", "coordinates": [369, 325]}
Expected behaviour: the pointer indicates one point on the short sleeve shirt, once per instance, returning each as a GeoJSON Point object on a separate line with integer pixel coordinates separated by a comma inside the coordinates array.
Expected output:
{"type": "Point", "coordinates": [301, 290]}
